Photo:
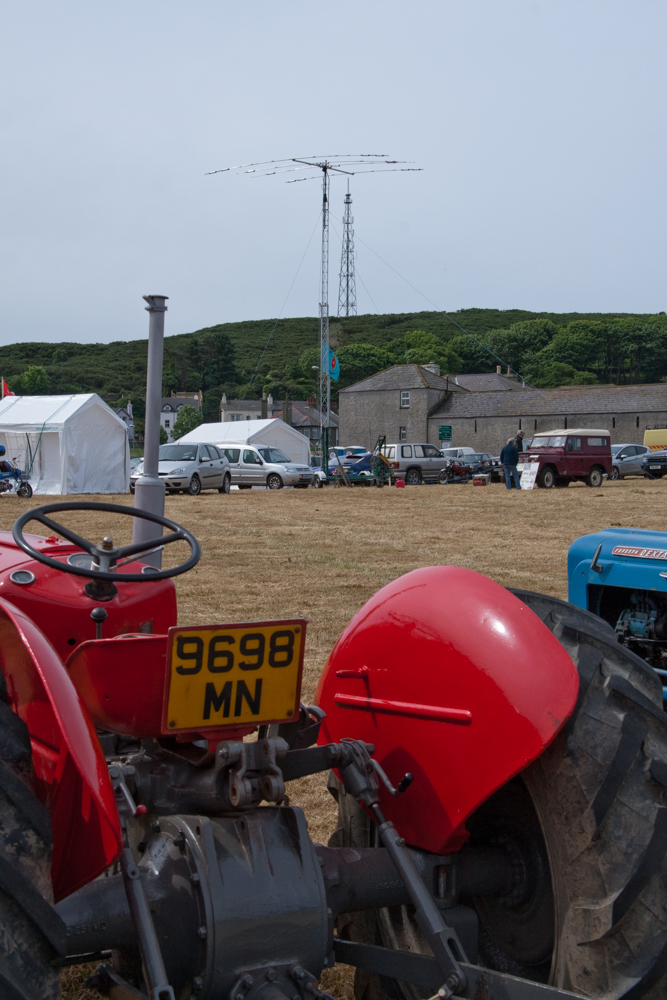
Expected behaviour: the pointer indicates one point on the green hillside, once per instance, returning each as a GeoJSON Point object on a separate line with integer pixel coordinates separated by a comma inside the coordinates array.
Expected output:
{"type": "Point", "coordinates": [546, 348]}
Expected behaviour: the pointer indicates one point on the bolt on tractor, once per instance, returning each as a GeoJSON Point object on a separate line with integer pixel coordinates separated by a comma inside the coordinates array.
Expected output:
{"type": "Point", "coordinates": [499, 761]}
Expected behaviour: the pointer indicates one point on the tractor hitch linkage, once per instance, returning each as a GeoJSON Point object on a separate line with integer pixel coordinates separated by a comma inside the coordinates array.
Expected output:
{"type": "Point", "coordinates": [188, 813]}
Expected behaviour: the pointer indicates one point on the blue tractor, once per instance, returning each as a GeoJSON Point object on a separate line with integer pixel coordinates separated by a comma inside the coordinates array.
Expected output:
{"type": "Point", "coordinates": [620, 575]}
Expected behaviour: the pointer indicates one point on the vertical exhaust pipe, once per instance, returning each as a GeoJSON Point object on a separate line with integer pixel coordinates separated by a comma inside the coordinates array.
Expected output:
{"type": "Point", "coordinates": [149, 490]}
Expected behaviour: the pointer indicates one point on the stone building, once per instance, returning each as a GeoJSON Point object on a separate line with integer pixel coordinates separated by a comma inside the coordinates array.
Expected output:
{"type": "Point", "coordinates": [170, 405]}
{"type": "Point", "coordinates": [304, 416]}
{"type": "Point", "coordinates": [485, 420]}
{"type": "Point", "coordinates": [396, 402]}
{"type": "Point", "coordinates": [411, 402]}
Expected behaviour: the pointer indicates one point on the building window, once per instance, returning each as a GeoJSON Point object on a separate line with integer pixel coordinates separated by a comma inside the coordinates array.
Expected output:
{"type": "Point", "coordinates": [475, 427]}
{"type": "Point", "coordinates": [519, 423]}
{"type": "Point", "coordinates": [565, 424]}
{"type": "Point", "coordinates": [637, 421]}
{"type": "Point", "coordinates": [167, 409]}
{"type": "Point", "coordinates": [405, 399]}
{"type": "Point", "coordinates": [613, 421]}
{"type": "Point", "coordinates": [248, 417]}
{"type": "Point", "coordinates": [535, 428]}
{"type": "Point", "coordinates": [166, 423]}
{"type": "Point", "coordinates": [402, 433]}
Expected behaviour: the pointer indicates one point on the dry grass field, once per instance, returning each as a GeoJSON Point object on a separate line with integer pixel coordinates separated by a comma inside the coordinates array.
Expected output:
{"type": "Point", "coordinates": [321, 553]}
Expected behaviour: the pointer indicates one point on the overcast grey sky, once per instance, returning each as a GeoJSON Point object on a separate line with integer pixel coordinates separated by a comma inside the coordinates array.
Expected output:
{"type": "Point", "coordinates": [540, 125]}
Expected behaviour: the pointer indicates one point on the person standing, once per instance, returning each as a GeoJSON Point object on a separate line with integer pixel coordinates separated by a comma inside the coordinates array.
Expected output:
{"type": "Point", "coordinates": [518, 441]}
{"type": "Point", "coordinates": [509, 458]}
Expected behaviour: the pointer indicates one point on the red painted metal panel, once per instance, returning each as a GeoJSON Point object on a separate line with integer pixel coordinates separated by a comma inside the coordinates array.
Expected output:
{"type": "Point", "coordinates": [71, 776]}
{"type": "Point", "coordinates": [121, 682]}
{"type": "Point", "coordinates": [58, 604]}
{"type": "Point", "coordinates": [445, 638]}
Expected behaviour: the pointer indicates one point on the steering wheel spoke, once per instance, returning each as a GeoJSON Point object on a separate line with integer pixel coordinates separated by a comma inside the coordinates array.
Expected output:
{"type": "Point", "coordinates": [124, 554]}
{"type": "Point", "coordinates": [71, 536]}
{"type": "Point", "coordinates": [149, 544]}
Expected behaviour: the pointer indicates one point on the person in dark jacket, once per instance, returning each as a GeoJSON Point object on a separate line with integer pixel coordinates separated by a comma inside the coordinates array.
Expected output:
{"type": "Point", "coordinates": [518, 441]}
{"type": "Point", "coordinates": [509, 458]}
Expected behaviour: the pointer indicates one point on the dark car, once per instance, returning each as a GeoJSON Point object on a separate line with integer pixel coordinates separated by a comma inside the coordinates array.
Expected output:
{"type": "Point", "coordinates": [654, 466]}
{"type": "Point", "coordinates": [482, 462]}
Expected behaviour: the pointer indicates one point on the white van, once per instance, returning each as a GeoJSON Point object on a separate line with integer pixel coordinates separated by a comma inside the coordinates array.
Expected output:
{"type": "Point", "coordinates": [457, 452]}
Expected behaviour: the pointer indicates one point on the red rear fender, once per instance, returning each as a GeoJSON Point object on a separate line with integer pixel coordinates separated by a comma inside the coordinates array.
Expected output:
{"type": "Point", "coordinates": [454, 679]}
{"type": "Point", "coordinates": [71, 776]}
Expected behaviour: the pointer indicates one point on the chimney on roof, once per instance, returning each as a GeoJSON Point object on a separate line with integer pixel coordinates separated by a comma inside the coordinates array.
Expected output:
{"type": "Point", "coordinates": [311, 401]}
{"type": "Point", "coordinates": [432, 367]}
{"type": "Point", "coordinates": [509, 372]}
{"type": "Point", "coordinates": [499, 369]}
{"type": "Point", "coordinates": [264, 407]}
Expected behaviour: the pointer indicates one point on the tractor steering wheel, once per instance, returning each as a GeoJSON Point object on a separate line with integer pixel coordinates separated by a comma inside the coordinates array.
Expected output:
{"type": "Point", "coordinates": [105, 558]}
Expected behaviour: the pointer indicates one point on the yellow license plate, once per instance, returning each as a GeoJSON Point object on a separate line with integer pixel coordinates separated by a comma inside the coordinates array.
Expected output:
{"type": "Point", "coordinates": [233, 675]}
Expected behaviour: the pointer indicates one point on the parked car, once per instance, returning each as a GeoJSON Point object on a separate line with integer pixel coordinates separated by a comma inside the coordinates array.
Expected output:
{"type": "Point", "coordinates": [346, 462]}
{"type": "Point", "coordinates": [654, 465]}
{"type": "Point", "coordinates": [352, 449]}
{"type": "Point", "coordinates": [265, 466]}
{"type": "Point", "coordinates": [565, 456]}
{"type": "Point", "coordinates": [134, 462]}
{"type": "Point", "coordinates": [189, 468]}
{"type": "Point", "coordinates": [482, 462]}
{"type": "Point", "coordinates": [413, 462]}
{"type": "Point", "coordinates": [626, 459]}
{"type": "Point", "coordinates": [457, 453]}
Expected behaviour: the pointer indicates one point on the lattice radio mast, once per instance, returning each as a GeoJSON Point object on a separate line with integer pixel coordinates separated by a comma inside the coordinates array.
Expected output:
{"type": "Point", "coordinates": [346, 164]}
{"type": "Point", "coordinates": [347, 286]}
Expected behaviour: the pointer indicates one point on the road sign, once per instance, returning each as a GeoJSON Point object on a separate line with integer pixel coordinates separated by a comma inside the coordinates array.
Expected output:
{"type": "Point", "coordinates": [444, 432]}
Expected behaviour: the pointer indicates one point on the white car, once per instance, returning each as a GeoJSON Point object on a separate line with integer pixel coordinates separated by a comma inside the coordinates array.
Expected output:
{"type": "Point", "coordinates": [190, 468]}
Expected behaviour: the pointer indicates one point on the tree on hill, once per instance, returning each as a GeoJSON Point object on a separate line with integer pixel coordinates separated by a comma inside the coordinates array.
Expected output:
{"type": "Point", "coordinates": [33, 382]}
{"type": "Point", "coordinates": [188, 418]}
{"type": "Point", "coordinates": [418, 347]}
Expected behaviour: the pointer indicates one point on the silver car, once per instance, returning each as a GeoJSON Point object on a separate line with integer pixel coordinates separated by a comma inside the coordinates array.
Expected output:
{"type": "Point", "coordinates": [264, 466]}
{"type": "Point", "coordinates": [413, 462]}
{"type": "Point", "coordinates": [626, 460]}
{"type": "Point", "coordinates": [190, 468]}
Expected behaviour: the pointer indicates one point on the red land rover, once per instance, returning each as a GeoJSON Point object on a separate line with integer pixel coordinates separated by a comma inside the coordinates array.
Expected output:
{"type": "Point", "coordinates": [567, 456]}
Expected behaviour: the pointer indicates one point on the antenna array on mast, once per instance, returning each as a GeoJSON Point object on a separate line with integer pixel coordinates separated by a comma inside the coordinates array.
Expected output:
{"type": "Point", "coordinates": [347, 287]}
{"type": "Point", "coordinates": [312, 167]}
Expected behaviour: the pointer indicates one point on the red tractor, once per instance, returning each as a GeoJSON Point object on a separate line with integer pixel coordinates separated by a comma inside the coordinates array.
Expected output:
{"type": "Point", "coordinates": [499, 761]}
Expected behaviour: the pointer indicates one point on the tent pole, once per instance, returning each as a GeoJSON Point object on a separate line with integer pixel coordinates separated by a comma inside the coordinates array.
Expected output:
{"type": "Point", "coordinates": [149, 489]}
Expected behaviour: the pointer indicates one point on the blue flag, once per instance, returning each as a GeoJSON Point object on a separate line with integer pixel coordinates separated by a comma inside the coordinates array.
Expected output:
{"type": "Point", "coordinates": [334, 367]}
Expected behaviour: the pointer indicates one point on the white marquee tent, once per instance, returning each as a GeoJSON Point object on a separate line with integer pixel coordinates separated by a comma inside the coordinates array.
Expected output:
{"type": "Point", "coordinates": [67, 444]}
{"type": "Point", "coordinates": [273, 432]}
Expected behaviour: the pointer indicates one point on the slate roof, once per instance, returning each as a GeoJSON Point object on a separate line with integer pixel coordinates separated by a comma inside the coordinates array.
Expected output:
{"type": "Point", "coordinates": [487, 382]}
{"type": "Point", "coordinates": [302, 414]}
{"type": "Point", "coordinates": [174, 402]}
{"type": "Point", "coordinates": [405, 377]}
{"type": "Point", "coordinates": [569, 399]}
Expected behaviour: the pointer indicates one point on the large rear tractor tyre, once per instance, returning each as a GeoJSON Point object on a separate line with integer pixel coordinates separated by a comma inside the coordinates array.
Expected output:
{"type": "Point", "coordinates": [587, 821]}
{"type": "Point", "coordinates": [32, 935]}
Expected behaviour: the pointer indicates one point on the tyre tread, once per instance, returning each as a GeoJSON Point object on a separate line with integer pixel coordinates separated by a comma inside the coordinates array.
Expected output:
{"type": "Point", "coordinates": [605, 776]}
